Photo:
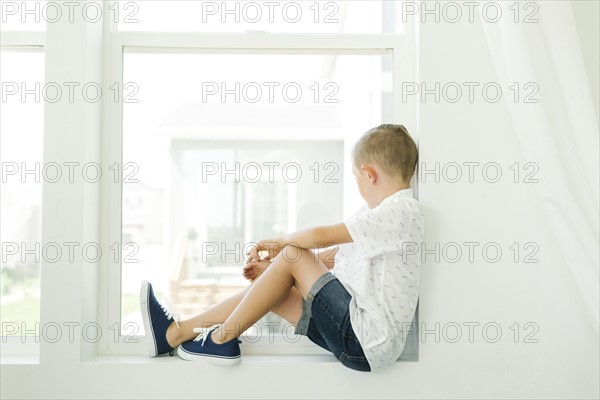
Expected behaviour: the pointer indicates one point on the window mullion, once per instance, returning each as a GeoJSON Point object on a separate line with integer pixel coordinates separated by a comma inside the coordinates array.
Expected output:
{"type": "Point", "coordinates": [69, 210]}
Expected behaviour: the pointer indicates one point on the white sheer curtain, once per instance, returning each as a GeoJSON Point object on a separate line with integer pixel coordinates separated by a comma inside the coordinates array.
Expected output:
{"type": "Point", "coordinates": [560, 132]}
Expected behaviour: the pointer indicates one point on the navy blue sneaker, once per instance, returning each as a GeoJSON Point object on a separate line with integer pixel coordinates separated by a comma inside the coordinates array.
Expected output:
{"type": "Point", "coordinates": [157, 319]}
{"type": "Point", "coordinates": [204, 349]}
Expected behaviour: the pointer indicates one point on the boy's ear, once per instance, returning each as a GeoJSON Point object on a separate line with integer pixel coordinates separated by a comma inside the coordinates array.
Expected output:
{"type": "Point", "coordinates": [370, 171]}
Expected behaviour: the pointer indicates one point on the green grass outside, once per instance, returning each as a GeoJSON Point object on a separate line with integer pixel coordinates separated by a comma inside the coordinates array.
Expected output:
{"type": "Point", "coordinates": [25, 313]}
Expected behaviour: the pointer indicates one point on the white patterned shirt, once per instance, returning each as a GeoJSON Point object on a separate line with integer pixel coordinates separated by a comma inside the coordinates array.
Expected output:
{"type": "Point", "coordinates": [380, 269]}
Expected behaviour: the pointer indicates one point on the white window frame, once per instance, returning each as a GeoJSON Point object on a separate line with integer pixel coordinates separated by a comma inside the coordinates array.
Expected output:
{"type": "Point", "coordinates": [238, 43]}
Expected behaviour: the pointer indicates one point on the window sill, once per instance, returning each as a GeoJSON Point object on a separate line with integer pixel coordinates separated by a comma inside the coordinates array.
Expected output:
{"type": "Point", "coordinates": [247, 359]}
{"type": "Point", "coordinates": [33, 359]}
{"type": "Point", "coordinates": [19, 359]}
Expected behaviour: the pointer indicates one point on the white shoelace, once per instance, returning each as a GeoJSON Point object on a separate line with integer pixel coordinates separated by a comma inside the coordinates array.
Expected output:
{"type": "Point", "coordinates": [167, 310]}
{"type": "Point", "coordinates": [203, 333]}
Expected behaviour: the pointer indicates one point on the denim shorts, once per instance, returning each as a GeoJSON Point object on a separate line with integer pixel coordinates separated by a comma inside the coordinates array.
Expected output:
{"type": "Point", "coordinates": [326, 321]}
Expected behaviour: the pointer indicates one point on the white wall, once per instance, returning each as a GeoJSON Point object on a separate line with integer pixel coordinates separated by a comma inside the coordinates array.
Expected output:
{"type": "Point", "coordinates": [564, 364]}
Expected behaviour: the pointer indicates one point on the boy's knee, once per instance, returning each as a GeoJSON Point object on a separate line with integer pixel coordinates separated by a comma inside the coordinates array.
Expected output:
{"type": "Point", "coordinates": [292, 254]}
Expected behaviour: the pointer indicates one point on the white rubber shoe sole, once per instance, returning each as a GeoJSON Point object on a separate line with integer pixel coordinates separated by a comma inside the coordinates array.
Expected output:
{"type": "Point", "coordinates": [215, 360]}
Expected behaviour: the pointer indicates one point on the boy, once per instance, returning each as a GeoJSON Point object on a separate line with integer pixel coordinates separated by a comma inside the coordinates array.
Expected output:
{"type": "Point", "coordinates": [356, 306]}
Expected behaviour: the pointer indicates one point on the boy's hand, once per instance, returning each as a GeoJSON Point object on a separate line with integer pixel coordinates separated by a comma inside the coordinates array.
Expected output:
{"type": "Point", "coordinates": [272, 247]}
{"type": "Point", "coordinates": [253, 269]}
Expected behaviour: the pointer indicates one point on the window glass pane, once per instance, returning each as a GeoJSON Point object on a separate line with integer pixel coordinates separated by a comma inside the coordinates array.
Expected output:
{"type": "Point", "coordinates": [21, 134]}
{"type": "Point", "coordinates": [30, 15]}
{"type": "Point", "coordinates": [228, 149]}
{"type": "Point", "coordinates": [353, 16]}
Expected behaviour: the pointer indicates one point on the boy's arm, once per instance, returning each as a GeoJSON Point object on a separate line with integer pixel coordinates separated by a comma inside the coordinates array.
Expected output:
{"type": "Point", "coordinates": [312, 238]}
{"type": "Point", "coordinates": [318, 237]}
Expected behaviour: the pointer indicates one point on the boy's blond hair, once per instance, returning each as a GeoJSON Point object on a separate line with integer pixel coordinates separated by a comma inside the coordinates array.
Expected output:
{"type": "Point", "coordinates": [391, 148]}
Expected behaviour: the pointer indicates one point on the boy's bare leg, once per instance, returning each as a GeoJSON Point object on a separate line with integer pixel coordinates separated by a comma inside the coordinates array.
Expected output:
{"type": "Point", "coordinates": [290, 309]}
{"type": "Point", "coordinates": [214, 315]}
{"type": "Point", "coordinates": [293, 267]}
